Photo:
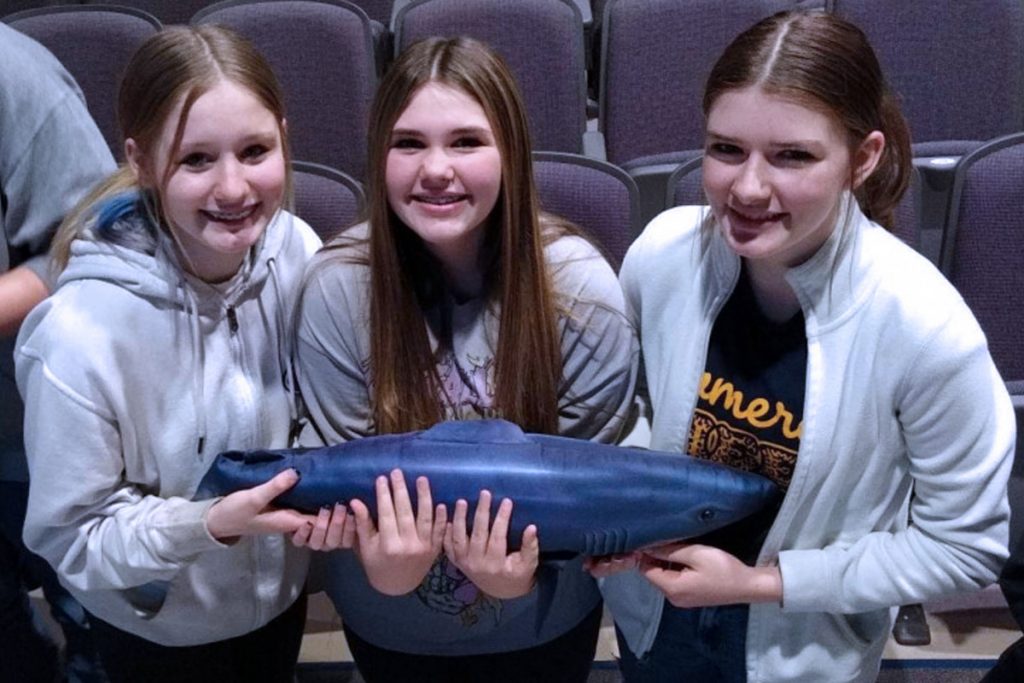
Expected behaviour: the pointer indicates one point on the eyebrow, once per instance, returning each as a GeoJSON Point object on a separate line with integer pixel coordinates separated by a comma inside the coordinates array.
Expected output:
{"type": "Point", "coordinates": [783, 143]}
{"type": "Point", "coordinates": [467, 130]}
{"type": "Point", "coordinates": [261, 136]}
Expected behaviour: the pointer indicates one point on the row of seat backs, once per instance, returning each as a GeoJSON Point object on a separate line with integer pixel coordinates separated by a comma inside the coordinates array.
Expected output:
{"type": "Point", "coordinates": [182, 11]}
{"type": "Point", "coordinates": [322, 53]}
{"type": "Point", "coordinates": [654, 57]}
{"type": "Point", "coordinates": [956, 65]}
{"type": "Point", "coordinates": [325, 55]}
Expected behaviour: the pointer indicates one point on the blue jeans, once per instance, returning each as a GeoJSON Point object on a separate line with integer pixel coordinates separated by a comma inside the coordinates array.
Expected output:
{"type": "Point", "coordinates": [706, 645]}
{"type": "Point", "coordinates": [20, 629]}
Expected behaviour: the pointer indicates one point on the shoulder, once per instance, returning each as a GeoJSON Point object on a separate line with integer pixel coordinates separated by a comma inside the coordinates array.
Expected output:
{"type": "Point", "coordinates": [579, 271]}
{"type": "Point", "coordinates": [93, 309]}
{"type": "Point", "coordinates": [574, 252]}
{"type": "Point", "coordinates": [671, 238]}
{"type": "Point", "coordinates": [337, 278]}
{"type": "Point", "coordinates": [344, 260]}
{"type": "Point", "coordinates": [298, 240]}
{"type": "Point", "coordinates": [911, 287]}
{"type": "Point", "coordinates": [917, 314]}
{"type": "Point", "coordinates": [674, 229]}
{"type": "Point", "coordinates": [665, 256]}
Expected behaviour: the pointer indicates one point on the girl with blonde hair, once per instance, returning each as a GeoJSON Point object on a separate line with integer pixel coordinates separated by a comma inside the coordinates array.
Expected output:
{"type": "Point", "coordinates": [165, 344]}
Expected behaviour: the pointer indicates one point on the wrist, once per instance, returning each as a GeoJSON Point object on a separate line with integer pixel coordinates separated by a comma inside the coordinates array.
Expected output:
{"type": "Point", "coordinates": [766, 584]}
{"type": "Point", "coordinates": [215, 526]}
{"type": "Point", "coordinates": [509, 590]}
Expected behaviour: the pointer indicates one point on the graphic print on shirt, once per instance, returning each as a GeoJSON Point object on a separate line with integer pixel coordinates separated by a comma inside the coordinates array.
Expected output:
{"type": "Point", "coordinates": [468, 388]}
{"type": "Point", "coordinates": [732, 429]}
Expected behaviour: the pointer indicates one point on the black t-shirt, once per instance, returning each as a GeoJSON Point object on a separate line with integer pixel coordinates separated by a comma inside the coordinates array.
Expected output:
{"type": "Point", "coordinates": [750, 404]}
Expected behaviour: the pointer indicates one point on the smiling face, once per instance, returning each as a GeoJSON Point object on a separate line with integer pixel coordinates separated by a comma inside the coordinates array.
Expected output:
{"type": "Point", "coordinates": [225, 181]}
{"type": "Point", "coordinates": [774, 173]}
{"type": "Point", "coordinates": [443, 173]}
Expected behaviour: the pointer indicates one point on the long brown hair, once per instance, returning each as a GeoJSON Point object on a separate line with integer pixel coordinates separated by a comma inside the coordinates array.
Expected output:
{"type": "Point", "coordinates": [824, 62]}
{"type": "Point", "coordinates": [406, 391]}
{"type": "Point", "coordinates": [177, 64]}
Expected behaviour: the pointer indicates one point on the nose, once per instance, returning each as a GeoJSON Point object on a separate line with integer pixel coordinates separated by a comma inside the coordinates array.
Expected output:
{"type": "Point", "coordinates": [231, 185]}
{"type": "Point", "coordinates": [437, 170]}
{"type": "Point", "coordinates": [751, 183]}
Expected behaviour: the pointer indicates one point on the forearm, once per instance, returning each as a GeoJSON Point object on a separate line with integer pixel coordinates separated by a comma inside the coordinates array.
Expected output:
{"type": "Point", "coordinates": [128, 541]}
{"type": "Point", "coordinates": [20, 290]}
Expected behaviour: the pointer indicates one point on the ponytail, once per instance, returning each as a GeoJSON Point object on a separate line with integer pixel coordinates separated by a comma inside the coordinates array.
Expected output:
{"type": "Point", "coordinates": [881, 191]}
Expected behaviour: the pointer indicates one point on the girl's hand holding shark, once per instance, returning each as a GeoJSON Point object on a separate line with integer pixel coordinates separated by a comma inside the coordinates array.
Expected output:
{"type": "Point", "coordinates": [399, 550]}
{"type": "Point", "coordinates": [332, 528]}
{"type": "Point", "coordinates": [607, 565]}
{"type": "Point", "coordinates": [693, 575]}
{"type": "Point", "coordinates": [483, 555]}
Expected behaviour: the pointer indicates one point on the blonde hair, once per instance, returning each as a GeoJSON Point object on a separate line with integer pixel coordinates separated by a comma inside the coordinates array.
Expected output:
{"type": "Point", "coordinates": [178, 64]}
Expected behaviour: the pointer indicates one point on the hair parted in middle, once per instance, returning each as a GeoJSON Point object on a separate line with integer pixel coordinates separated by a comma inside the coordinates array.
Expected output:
{"type": "Point", "coordinates": [406, 393]}
{"type": "Point", "coordinates": [824, 62]}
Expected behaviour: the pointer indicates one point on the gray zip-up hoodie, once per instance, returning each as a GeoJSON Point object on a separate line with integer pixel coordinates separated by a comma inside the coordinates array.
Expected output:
{"type": "Point", "coordinates": [135, 377]}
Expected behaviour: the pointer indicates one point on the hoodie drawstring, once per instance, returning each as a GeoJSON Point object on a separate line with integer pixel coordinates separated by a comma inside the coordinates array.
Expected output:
{"type": "Point", "coordinates": [198, 385]}
{"type": "Point", "coordinates": [195, 336]}
{"type": "Point", "coordinates": [284, 346]}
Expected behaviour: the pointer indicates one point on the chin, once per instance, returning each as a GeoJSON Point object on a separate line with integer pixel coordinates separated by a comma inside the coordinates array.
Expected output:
{"type": "Point", "coordinates": [755, 249]}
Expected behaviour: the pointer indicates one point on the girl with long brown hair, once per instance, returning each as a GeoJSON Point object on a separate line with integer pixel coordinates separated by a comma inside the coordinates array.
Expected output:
{"type": "Point", "coordinates": [459, 299]}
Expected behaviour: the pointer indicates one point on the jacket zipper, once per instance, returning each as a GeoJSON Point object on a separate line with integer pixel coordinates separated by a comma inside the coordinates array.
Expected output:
{"type": "Point", "coordinates": [232, 321]}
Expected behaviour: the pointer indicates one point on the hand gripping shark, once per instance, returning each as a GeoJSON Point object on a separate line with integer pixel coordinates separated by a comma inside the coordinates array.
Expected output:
{"type": "Point", "coordinates": [585, 498]}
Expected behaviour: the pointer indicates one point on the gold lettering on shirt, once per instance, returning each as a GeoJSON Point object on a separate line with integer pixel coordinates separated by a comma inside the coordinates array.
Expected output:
{"type": "Point", "coordinates": [757, 412]}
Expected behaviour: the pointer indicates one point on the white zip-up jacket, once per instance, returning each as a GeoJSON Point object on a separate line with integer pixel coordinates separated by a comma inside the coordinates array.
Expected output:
{"type": "Point", "coordinates": [134, 378]}
{"type": "Point", "coordinates": [900, 391]}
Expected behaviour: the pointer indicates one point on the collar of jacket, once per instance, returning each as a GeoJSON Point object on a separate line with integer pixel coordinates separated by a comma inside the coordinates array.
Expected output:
{"type": "Point", "coordinates": [831, 285]}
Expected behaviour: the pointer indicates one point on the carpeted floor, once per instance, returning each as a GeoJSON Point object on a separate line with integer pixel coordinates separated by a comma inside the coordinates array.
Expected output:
{"type": "Point", "coordinates": [893, 671]}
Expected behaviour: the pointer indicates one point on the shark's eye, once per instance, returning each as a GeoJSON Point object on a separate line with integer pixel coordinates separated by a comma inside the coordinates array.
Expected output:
{"type": "Point", "coordinates": [707, 514]}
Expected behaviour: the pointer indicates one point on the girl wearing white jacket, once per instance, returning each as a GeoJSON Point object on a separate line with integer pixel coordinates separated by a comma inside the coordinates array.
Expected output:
{"type": "Point", "coordinates": [785, 331]}
{"type": "Point", "coordinates": [165, 344]}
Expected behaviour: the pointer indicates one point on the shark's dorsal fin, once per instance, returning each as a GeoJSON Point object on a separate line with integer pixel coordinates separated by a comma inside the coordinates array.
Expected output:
{"type": "Point", "coordinates": [475, 431]}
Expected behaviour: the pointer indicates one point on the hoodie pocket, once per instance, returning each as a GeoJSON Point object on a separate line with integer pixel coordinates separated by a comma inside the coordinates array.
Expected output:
{"type": "Point", "coordinates": [863, 629]}
{"type": "Point", "coordinates": [148, 599]}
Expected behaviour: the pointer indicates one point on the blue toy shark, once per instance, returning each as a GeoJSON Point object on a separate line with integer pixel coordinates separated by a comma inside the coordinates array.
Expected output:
{"type": "Point", "coordinates": [585, 498]}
